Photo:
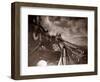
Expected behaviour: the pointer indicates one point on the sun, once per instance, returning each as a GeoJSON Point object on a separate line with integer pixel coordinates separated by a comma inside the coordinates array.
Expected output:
{"type": "Point", "coordinates": [42, 63]}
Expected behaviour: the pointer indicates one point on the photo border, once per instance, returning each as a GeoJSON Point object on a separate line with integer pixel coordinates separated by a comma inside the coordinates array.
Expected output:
{"type": "Point", "coordinates": [15, 39]}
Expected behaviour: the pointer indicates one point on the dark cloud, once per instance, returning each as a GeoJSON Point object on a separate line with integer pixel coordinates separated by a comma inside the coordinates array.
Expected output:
{"type": "Point", "coordinates": [72, 29]}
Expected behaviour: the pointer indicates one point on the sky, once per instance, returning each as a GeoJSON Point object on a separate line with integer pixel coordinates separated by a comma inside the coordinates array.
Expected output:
{"type": "Point", "coordinates": [72, 29]}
